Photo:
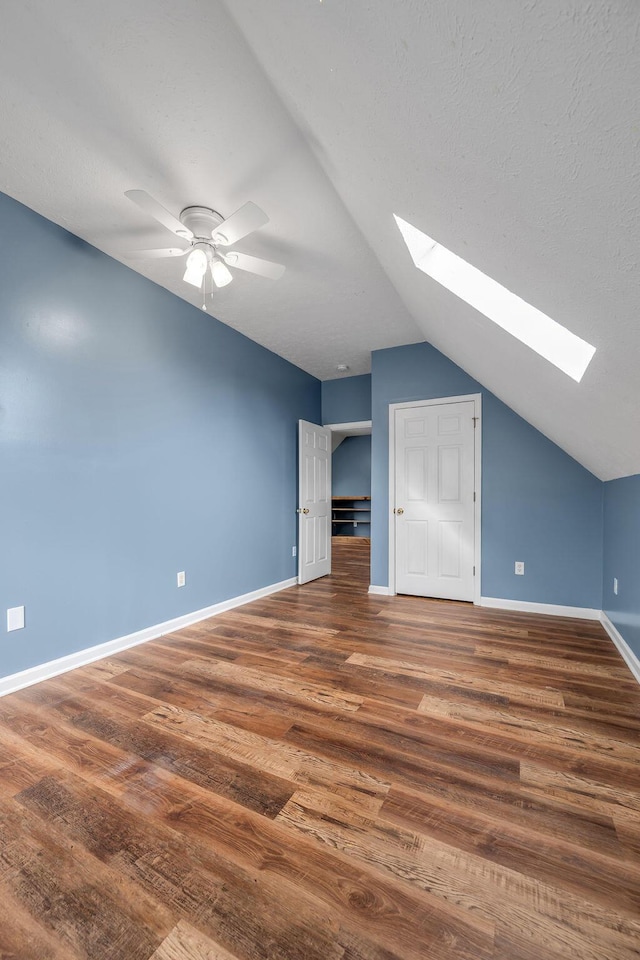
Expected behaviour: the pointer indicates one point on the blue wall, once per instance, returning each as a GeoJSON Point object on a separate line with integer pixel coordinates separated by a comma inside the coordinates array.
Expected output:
{"type": "Point", "coordinates": [538, 504]}
{"type": "Point", "coordinates": [347, 400]}
{"type": "Point", "coordinates": [138, 437]}
{"type": "Point", "coordinates": [622, 557]}
{"type": "Point", "coordinates": [351, 477]}
{"type": "Point", "coordinates": [351, 468]}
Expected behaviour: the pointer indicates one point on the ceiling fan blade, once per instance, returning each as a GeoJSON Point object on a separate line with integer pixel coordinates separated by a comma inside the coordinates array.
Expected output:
{"type": "Point", "coordinates": [244, 221]}
{"type": "Point", "coordinates": [262, 268]}
{"type": "Point", "coordinates": [158, 212]}
{"type": "Point", "coordinates": [158, 254]}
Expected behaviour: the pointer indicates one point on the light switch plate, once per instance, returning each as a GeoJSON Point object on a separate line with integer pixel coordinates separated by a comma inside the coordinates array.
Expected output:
{"type": "Point", "coordinates": [182, 579]}
{"type": "Point", "coordinates": [15, 618]}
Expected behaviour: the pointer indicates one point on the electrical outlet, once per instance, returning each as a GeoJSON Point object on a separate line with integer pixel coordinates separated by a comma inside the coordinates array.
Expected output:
{"type": "Point", "coordinates": [294, 551]}
{"type": "Point", "coordinates": [520, 568]}
{"type": "Point", "coordinates": [182, 579]}
{"type": "Point", "coordinates": [615, 585]}
{"type": "Point", "coordinates": [15, 618]}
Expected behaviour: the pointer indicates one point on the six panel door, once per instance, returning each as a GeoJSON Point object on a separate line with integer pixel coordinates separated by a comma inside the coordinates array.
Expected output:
{"type": "Point", "coordinates": [434, 499]}
{"type": "Point", "coordinates": [314, 501]}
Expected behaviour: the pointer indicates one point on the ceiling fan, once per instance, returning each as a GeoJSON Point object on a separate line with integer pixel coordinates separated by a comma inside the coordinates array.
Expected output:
{"type": "Point", "coordinates": [208, 235]}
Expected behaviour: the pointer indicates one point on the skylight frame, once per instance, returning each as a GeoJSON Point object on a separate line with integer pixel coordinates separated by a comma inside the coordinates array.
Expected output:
{"type": "Point", "coordinates": [548, 338]}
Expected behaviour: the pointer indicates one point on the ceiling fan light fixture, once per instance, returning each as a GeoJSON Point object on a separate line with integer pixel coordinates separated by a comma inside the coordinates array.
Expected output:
{"type": "Point", "coordinates": [194, 277]}
{"type": "Point", "coordinates": [220, 273]}
{"type": "Point", "coordinates": [196, 267]}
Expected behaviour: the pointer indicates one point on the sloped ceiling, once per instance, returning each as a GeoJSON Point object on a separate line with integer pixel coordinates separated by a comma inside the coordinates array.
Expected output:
{"type": "Point", "coordinates": [509, 132]}
{"type": "Point", "coordinates": [97, 98]}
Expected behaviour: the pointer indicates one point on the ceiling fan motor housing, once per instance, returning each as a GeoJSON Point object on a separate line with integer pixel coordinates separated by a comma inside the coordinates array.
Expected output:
{"type": "Point", "coordinates": [202, 221]}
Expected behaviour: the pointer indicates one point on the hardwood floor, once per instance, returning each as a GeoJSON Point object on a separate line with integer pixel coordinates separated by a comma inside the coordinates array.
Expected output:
{"type": "Point", "coordinates": [327, 775]}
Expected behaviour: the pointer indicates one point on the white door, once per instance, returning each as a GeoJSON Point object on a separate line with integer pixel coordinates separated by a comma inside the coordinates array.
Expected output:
{"type": "Point", "coordinates": [314, 501]}
{"type": "Point", "coordinates": [434, 500]}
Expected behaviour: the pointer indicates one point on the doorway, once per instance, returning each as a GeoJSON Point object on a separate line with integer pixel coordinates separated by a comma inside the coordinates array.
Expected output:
{"type": "Point", "coordinates": [434, 485]}
{"type": "Point", "coordinates": [334, 494]}
{"type": "Point", "coordinates": [351, 481]}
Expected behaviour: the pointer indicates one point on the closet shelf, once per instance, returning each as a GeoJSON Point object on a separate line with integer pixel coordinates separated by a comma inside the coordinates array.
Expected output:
{"type": "Point", "coordinates": [350, 499]}
{"type": "Point", "coordinates": [350, 512]}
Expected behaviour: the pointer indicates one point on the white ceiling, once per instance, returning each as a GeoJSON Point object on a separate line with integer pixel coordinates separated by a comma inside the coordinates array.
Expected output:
{"type": "Point", "coordinates": [508, 132]}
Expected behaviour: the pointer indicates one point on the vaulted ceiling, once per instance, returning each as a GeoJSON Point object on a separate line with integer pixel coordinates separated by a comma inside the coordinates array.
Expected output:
{"type": "Point", "coordinates": [508, 132]}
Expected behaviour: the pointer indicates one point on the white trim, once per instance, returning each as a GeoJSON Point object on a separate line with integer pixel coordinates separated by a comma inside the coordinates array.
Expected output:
{"type": "Point", "coordinates": [549, 609]}
{"type": "Point", "coordinates": [379, 591]}
{"type": "Point", "coordinates": [624, 649]}
{"type": "Point", "coordinates": [53, 668]}
{"type": "Point", "coordinates": [353, 425]}
{"type": "Point", "coordinates": [477, 559]}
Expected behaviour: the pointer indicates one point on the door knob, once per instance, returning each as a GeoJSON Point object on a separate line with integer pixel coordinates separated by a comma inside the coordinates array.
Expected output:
{"type": "Point", "coordinates": [303, 510]}
{"type": "Point", "coordinates": [400, 510]}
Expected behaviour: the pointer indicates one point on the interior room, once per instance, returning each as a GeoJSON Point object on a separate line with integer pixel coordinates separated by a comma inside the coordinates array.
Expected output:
{"type": "Point", "coordinates": [319, 480]}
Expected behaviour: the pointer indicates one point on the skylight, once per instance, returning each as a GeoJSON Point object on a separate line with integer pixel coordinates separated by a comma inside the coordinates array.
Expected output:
{"type": "Point", "coordinates": [533, 328]}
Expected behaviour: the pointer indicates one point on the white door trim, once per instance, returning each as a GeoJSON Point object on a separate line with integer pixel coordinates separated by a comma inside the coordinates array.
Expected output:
{"type": "Point", "coordinates": [352, 425]}
{"type": "Point", "coordinates": [477, 412]}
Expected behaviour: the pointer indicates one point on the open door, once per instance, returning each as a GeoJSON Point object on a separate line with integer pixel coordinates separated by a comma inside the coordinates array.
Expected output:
{"type": "Point", "coordinates": [314, 501]}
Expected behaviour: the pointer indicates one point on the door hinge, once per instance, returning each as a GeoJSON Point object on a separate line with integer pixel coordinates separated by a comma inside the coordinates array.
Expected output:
{"type": "Point", "coordinates": [475, 421]}
{"type": "Point", "coordinates": [474, 496]}
{"type": "Point", "coordinates": [474, 571]}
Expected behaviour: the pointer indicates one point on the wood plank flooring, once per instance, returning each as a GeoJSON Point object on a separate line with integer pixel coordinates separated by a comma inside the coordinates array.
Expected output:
{"type": "Point", "coordinates": [327, 775]}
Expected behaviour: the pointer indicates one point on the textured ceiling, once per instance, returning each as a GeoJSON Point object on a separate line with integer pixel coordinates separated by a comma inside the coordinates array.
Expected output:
{"type": "Point", "coordinates": [508, 132]}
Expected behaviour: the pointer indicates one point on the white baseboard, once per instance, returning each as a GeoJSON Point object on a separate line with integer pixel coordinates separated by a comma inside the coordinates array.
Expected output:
{"type": "Point", "coordinates": [53, 668]}
{"type": "Point", "coordinates": [624, 649]}
{"type": "Point", "coordinates": [380, 591]}
{"type": "Point", "coordinates": [550, 609]}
